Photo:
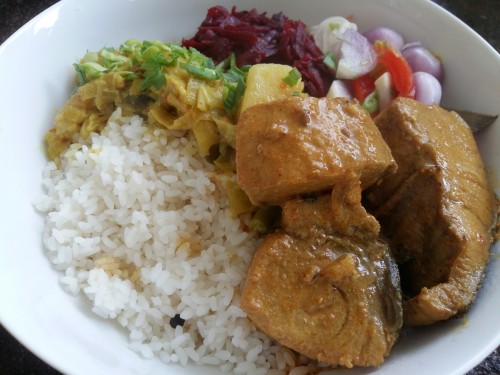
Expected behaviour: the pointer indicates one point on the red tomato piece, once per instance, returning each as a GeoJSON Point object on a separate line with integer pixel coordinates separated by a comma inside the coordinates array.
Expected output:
{"type": "Point", "coordinates": [362, 87]}
{"type": "Point", "coordinates": [396, 64]}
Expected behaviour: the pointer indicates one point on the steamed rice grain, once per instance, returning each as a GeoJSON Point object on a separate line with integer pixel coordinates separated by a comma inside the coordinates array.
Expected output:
{"type": "Point", "coordinates": [139, 224]}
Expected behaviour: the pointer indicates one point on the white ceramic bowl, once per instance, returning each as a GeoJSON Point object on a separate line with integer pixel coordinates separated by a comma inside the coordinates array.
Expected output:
{"type": "Point", "coordinates": [36, 78]}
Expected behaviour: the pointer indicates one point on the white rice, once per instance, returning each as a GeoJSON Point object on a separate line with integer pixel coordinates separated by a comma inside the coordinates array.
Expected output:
{"type": "Point", "coordinates": [138, 223]}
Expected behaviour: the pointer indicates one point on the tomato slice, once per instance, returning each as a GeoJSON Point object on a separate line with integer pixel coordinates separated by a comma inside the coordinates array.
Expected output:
{"type": "Point", "coordinates": [396, 64]}
{"type": "Point", "coordinates": [363, 86]}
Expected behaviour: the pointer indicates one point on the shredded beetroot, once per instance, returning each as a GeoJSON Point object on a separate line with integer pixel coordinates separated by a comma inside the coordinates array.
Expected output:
{"type": "Point", "coordinates": [255, 38]}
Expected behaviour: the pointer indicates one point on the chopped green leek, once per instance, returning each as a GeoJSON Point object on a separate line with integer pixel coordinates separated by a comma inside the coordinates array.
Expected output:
{"type": "Point", "coordinates": [234, 83]}
{"type": "Point", "coordinates": [154, 62]}
{"type": "Point", "coordinates": [131, 48]}
{"type": "Point", "coordinates": [154, 77]}
{"type": "Point", "coordinates": [91, 57]}
{"type": "Point", "coordinates": [371, 102]}
{"type": "Point", "coordinates": [128, 75]}
{"type": "Point", "coordinates": [293, 77]}
{"type": "Point", "coordinates": [234, 73]}
{"type": "Point", "coordinates": [334, 26]}
{"type": "Point", "coordinates": [201, 72]}
{"type": "Point", "coordinates": [232, 94]}
{"type": "Point", "coordinates": [148, 60]}
{"type": "Point", "coordinates": [266, 219]}
{"type": "Point", "coordinates": [89, 71]}
{"type": "Point", "coordinates": [152, 53]}
{"type": "Point", "coordinates": [130, 43]}
{"type": "Point", "coordinates": [112, 60]}
{"type": "Point", "coordinates": [329, 61]}
{"type": "Point", "coordinates": [178, 52]}
{"type": "Point", "coordinates": [200, 66]}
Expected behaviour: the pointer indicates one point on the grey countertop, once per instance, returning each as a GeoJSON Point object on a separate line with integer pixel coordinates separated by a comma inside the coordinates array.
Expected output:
{"type": "Point", "coordinates": [482, 15]}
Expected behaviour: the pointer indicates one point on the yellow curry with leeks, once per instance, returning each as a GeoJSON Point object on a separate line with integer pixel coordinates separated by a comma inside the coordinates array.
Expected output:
{"type": "Point", "coordinates": [178, 89]}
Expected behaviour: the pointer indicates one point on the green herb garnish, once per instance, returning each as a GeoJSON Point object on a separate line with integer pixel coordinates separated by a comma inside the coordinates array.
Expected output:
{"type": "Point", "coordinates": [293, 77]}
{"type": "Point", "coordinates": [148, 60]}
{"type": "Point", "coordinates": [371, 102]}
{"type": "Point", "coordinates": [154, 61]}
{"type": "Point", "coordinates": [200, 66]}
{"type": "Point", "coordinates": [334, 26]}
{"type": "Point", "coordinates": [155, 77]}
{"type": "Point", "coordinates": [88, 71]}
{"type": "Point", "coordinates": [266, 219]}
{"type": "Point", "coordinates": [112, 60]}
{"type": "Point", "coordinates": [234, 82]}
{"type": "Point", "coordinates": [329, 61]}
{"type": "Point", "coordinates": [232, 94]}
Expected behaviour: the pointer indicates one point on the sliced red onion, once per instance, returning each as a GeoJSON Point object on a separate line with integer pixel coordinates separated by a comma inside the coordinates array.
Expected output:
{"type": "Point", "coordinates": [411, 45]}
{"type": "Point", "coordinates": [329, 33]}
{"type": "Point", "coordinates": [421, 60]}
{"type": "Point", "coordinates": [385, 34]}
{"type": "Point", "coordinates": [357, 56]}
{"type": "Point", "coordinates": [339, 88]}
{"type": "Point", "coordinates": [427, 88]}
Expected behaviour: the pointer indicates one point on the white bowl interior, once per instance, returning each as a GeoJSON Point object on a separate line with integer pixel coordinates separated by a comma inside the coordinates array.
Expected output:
{"type": "Point", "coordinates": [37, 78]}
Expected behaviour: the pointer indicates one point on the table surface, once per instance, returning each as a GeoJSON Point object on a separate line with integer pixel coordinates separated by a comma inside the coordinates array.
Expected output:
{"type": "Point", "coordinates": [481, 15]}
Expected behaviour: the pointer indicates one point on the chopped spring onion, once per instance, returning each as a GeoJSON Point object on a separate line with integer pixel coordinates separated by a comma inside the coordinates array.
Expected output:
{"type": "Point", "coordinates": [128, 75]}
{"type": "Point", "coordinates": [371, 103]}
{"type": "Point", "coordinates": [154, 62]}
{"type": "Point", "coordinates": [200, 66]}
{"type": "Point", "coordinates": [227, 62]}
{"type": "Point", "coordinates": [234, 73]}
{"type": "Point", "coordinates": [334, 26]}
{"type": "Point", "coordinates": [232, 94]}
{"type": "Point", "coordinates": [234, 83]}
{"type": "Point", "coordinates": [329, 61]}
{"type": "Point", "coordinates": [91, 57]}
{"type": "Point", "coordinates": [88, 71]}
{"type": "Point", "coordinates": [266, 219]}
{"type": "Point", "coordinates": [132, 49]}
{"type": "Point", "coordinates": [155, 78]}
{"type": "Point", "coordinates": [293, 77]}
{"type": "Point", "coordinates": [152, 53]}
{"type": "Point", "coordinates": [201, 72]}
{"type": "Point", "coordinates": [112, 60]}
{"type": "Point", "coordinates": [148, 60]}
{"type": "Point", "coordinates": [178, 52]}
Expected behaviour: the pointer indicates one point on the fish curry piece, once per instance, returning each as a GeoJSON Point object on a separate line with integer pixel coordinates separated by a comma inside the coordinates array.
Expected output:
{"type": "Point", "coordinates": [299, 145]}
{"type": "Point", "coordinates": [437, 210]}
{"type": "Point", "coordinates": [324, 284]}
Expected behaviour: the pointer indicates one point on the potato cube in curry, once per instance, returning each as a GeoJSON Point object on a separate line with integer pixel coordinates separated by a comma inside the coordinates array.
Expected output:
{"type": "Point", "coordinates": [265, 83]}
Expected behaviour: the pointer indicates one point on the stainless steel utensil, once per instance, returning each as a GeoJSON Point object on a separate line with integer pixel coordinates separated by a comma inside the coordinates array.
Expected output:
{"type": "Point", "coordinates": [476, 121]}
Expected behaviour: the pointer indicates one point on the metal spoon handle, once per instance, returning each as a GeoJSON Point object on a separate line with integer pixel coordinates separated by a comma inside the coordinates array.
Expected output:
{"type": "Point", "coordinates": [476, 121]}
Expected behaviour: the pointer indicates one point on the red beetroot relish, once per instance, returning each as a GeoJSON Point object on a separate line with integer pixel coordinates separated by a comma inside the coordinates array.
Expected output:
{"type": "Point", "coordinates": [255, 38]}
